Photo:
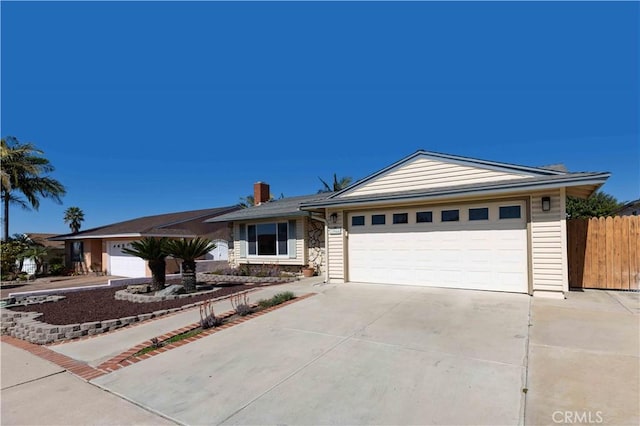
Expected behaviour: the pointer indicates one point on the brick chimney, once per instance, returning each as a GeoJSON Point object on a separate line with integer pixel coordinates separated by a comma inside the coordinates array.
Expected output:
{"type": "Point", "coordinates": [261, 193]}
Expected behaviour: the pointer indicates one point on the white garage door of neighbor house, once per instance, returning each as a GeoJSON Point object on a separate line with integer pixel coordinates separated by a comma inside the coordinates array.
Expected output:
{"type": "Point", "coordinates": [482, 247]}
{"type": "Point", "coordinates": [221, 252]}
{"type": "Point", "coordinates": [122, 264]}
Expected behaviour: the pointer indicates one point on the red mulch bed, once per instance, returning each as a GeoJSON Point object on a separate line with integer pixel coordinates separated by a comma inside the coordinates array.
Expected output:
{"type": "Point", "coordinates": [101, 305]}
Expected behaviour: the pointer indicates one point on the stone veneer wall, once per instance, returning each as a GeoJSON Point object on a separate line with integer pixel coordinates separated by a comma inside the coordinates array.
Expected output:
{"type": "Point", "coordinates": [315, 245]}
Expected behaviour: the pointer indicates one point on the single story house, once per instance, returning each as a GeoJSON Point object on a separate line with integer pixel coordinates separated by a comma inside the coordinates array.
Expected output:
{"type": "Point", "coordinates": [100, 249]}
{"type": "Point", "coordinates": [632, 208]}
{"type": "Point", "coordinates": [430, 219]}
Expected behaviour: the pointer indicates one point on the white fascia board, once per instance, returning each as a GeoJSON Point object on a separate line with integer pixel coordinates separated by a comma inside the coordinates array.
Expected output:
{"type": "Point", "coordinates": [132, 235]}
{"type": "Point", "coordinates": [456, 195]}
{"type": "Point", "coordinates": [88, 237]}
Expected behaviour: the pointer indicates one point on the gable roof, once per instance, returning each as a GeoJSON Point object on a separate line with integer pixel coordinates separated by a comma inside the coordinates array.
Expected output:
{"type": "Point", "coordinates": [284, 207]}
{"type": "Point", "coordinates": [629, 207]}
{"type": "Point", "coordinates": [162, 225]}
{"type": "Point", "coordinates": [588, 182]}
{"type": "Point", "coordinates": [514, 169]}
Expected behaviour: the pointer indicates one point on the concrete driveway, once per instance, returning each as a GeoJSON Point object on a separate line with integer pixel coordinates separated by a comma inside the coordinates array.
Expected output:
{"type": "Point", "coordinates": [353, 354]}
{"type": "Point", "coordinates": [37, 392]}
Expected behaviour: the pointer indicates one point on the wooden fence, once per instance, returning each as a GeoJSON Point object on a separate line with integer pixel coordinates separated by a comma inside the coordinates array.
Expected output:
{"type": "Point", "coordinates": [604, 252]}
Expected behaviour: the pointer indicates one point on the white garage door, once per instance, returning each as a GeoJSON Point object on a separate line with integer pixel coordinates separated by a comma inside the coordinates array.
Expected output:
{"type": "Point", "coordinates": [481, 246]}
{"type": "Point", "coordinates": [122, 264]}
{"type": "Point", "coordinates": [221, 252]}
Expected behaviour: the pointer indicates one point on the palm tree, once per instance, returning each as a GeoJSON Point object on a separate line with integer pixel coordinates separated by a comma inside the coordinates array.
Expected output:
{"type": "Point", "coordinates": [250, 201]}
{"type": "Point", "coordinates": [24, 170]}
{"type": "Point", "coordinates": [342, 183]}
{"type": "Point", "coordinates": [189, 251]}
{"type": "Point", "coordinates": [38, 254]}
{"type": "Point", "coordinates": [247, 201]}
{"type": "Point", "coordinates": [74, 216]}
{"type": "Point", "coordinates": [154, 251]}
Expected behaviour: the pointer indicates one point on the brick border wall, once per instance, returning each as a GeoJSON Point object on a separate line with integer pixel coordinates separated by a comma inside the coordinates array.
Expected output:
{"type": "Point", "coordinates": [26, 326]}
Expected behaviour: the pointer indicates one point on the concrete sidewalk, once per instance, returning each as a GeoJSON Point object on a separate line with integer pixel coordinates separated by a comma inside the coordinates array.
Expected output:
{"type": "Point", "coordinates": [584, 359]}
{"type": "Point", "coordinates": [96, 350]}
{"type": "Point", "coordinates": [49, 283]}
{"type": "Point", "coordinates": [37, 392]}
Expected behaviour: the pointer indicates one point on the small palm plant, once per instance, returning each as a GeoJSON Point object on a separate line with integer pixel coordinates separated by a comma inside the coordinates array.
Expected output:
{"type": "Point", "coordinates": [154, 251]}
{"type": "Point", "coordinates": [189, 251]}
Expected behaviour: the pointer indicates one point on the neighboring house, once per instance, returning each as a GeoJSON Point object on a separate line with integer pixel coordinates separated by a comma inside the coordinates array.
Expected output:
{"type": "Point", "coordinates": [632, 208]}
{"type": "Point", "coordinates": [100, 249]}
{"type": "Point", "coordinates": [429, 219]}
{"type": "Point", "coordinates": [55, 249]}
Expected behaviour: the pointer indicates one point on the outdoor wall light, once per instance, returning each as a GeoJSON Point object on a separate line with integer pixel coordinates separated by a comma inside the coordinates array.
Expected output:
{"type": "Point", "coordinates": [333, 218]}
{"type": "Point", "coordinates": [546, 204]}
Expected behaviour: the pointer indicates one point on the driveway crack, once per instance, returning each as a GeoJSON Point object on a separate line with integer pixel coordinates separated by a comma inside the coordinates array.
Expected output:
{"type": "Point", "coordinates": [525, 387]}
{"type": "Point", "coordinates": [34, 380]}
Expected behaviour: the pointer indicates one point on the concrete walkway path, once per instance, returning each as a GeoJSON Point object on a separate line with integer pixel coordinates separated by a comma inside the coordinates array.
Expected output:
{"type": "Point", "coordinates": [96, 350]}
{"type": "Point", "coordinates": [49, 283]}
{"type": "Point", "coordinates": [37, 392]}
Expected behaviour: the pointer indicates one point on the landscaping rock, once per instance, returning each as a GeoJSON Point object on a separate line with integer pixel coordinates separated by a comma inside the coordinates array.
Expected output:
{"type": "Point", "coordinates": [172, 289]}
{"type": "Point", "coordinates": [143, 317]}
{"type": "Point", "coordinates": [138, 289]}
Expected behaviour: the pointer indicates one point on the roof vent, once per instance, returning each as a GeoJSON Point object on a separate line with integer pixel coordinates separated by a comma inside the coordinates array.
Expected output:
{"type": "Point", "coordinates": [555, 167]}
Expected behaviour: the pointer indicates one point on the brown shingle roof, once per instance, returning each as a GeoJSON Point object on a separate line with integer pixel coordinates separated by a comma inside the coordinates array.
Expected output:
{"type": "Point", "coordinates": [43, 240]}
{"type": "Point", "coordinates": [174, 224]}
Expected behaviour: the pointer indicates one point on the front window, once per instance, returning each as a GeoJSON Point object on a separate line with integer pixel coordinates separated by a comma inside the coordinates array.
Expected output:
{"type": "Point", "coordinates": [268, 239]}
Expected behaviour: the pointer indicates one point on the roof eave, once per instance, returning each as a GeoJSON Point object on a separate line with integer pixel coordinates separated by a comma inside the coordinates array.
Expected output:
{"type": "Point", "coordinates": [298, 213]}
{"type": "Point", "coordinates": [462, 193]}
{"type": "Point", "coordinates": [123, 235]}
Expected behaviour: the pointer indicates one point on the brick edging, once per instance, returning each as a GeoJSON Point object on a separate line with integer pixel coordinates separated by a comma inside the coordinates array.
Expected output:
{"type": "Point", "coordinates": [127, 357]}
{"type": "Point", "coordinates": [77, 368]}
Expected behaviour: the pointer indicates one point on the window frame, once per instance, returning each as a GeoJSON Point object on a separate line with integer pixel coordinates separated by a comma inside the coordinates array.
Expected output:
{"type": "Point", "coordinates": [442, 212]}
{"type": "Point", "coordinates": [374, 216]}
{"type": "Point", "coordinates": [358, 217]}
{"type": "Point", "coordinates": [278, 243]}
{"type": "Point", "coordinates": [430, 212]}
{"type": "Point", "coordinates": [478, 209]}
{"type": "Point", "coordinates": [511, 206]}
{"type": "Point", "coordinates": [400, 215]}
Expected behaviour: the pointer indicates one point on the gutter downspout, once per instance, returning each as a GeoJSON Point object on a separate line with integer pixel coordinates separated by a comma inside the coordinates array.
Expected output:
{"type": "Point", "coordinates": [326, 244]}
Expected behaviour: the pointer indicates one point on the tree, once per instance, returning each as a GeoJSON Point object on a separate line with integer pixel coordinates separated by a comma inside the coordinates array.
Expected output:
{"type": "Point", "coordinates": [12, 255]}
{"type": "Point", "coordinates": [250, 201]}
{"type": "Point", "coordinates": [338, 184]}
{"type": "Point", "coordinates": [25, 171]}
{"type": "Point", "coordinates": [74, 216]}
{"type": "Point", "coordinates": [247, 201]}
{"type": "Point", "coordinates": [189, 251]}
{"type": "Point", "coordinates": [599, 204]}
{"type": "Point", "coordinates": [154, 251]}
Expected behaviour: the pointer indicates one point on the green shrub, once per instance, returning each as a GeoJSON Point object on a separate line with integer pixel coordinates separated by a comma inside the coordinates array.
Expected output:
{"type": "Point", "coordinates": [56, 269]}
{"type": "Point", "coordinates": [276, 300]}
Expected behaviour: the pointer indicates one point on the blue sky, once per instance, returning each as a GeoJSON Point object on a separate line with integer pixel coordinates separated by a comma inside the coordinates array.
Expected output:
{"type": "Point", "coordinates": [153, 107]}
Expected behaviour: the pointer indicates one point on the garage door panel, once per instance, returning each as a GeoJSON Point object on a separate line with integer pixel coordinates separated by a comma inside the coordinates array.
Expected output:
{"type": "Point", "coordinates": [123, 264]}
{"type": "Point", "coordinates": [486, 255]}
